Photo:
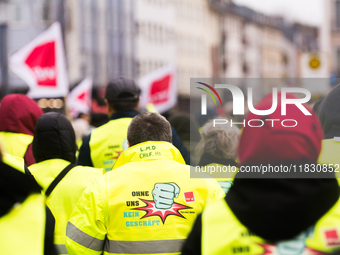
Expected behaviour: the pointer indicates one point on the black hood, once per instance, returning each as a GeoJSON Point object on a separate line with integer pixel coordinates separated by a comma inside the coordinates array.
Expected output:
{"type": "Point", "coordinates": [54, 138]}
{"type": "Point", "coordinates": [280, 209]}
{"type": "Point", "coordinates": [15, 187]}
{"type": "Point", "coordinates": [329, 113]}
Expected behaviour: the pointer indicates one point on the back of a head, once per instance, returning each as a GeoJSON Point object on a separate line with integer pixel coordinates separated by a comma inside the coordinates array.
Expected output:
{"type": "Point", "coordinates": [122, 94]}
{"type": "Point", "coordinates": [54, 138]}
{"type": "Point", "coordinates": [19, 114]}
{"type": "Point", "coordinates": [149, 126]}
{"type": "Point", "coordinates": [329, 113]}
{"type": "Point", "coordinates": [220, 141]}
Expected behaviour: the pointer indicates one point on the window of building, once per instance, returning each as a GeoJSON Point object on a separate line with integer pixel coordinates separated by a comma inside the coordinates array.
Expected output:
{"type": "Point", "coordinates": [18, 14]}
{"type": "Point", "coordinates": [42, 9]}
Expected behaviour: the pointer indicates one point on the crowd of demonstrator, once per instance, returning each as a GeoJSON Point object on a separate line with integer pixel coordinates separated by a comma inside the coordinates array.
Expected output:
{"type": "Point", "coordinates": [128, 189]}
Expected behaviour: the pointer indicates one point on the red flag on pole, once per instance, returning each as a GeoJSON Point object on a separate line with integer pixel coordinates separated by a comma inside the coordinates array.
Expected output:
{"type": "Point", "coordinates": [41, 64]}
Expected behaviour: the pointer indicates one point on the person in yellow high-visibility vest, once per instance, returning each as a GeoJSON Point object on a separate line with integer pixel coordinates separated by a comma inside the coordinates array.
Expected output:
{"type": "Point", "coordinates": [146, 204]}
{"type": "Point", "coordinates": [278, 203]}
{"type": "Point", "coordinates": [25, 222]}
{"type": "Point", "coordinates": [63, 182]}
{"type": "Point", "coordinates": [103, 146]}
{"type": "Point", "coordinates": [18, 114]}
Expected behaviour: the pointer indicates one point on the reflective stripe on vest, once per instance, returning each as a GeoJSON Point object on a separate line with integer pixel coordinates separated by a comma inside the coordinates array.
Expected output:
{"type": "Point", "coordinates": [107, 143]}
{"type": "Point", "coordinates": [84, 239]}
{"type": "Point", "coordinates": [123, 247]}
{"type": "Point", "coordinates": [222, 233]}
{"type": "Point", "coordinates": [23, 228]}
{"type": "Point", "coordinates": [15, 144]}
{"type": "Point", "coordinates": [144, 247]}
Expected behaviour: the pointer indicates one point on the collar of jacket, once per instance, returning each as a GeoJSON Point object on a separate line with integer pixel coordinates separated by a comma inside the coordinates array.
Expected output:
{"type": "Point", "coordinates": [148, 151]}
{"type": "Point", "coordinates": [130, 113]}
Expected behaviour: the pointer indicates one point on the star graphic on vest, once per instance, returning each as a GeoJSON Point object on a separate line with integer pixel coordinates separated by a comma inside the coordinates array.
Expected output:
{"type": "Point", "coordinates": [119, 152]}
{"type": "Point", "coordinates": [151, 210]}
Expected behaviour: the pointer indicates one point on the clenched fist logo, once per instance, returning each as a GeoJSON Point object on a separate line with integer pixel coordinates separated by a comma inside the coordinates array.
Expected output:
{"type": "Point", "coordinates": [164, 194]}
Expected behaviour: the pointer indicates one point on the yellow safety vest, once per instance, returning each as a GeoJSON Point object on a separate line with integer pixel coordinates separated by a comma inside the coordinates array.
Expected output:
{"type": "Point", "coordinates": [127, 207]}
{"type": "Point", "coordinates": [15, 144]}
{"type": "Point", "coordinates": [107, 143]}
{"type": "Point", "coordinates": [222, 233]}
{"type": "Point", "coordinates": [23, 228]}
{"type": "Point", "coordinates": [66, 194]}
{"type": "Point", "coordinates": [13, 161]}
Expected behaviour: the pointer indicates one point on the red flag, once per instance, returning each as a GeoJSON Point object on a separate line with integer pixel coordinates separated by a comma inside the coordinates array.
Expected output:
{"type": "Point", "coordinates": [159, 88]}
{"type": "Point", "coordinates": [41, 64]}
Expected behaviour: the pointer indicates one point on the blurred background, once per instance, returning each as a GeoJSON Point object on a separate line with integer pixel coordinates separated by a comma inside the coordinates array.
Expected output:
{"type": "Point", "coordinates": [104, 39]}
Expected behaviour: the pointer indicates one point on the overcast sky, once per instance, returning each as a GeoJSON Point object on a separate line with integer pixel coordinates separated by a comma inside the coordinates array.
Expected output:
{"type": "Point", "coordinates": [304, 11]}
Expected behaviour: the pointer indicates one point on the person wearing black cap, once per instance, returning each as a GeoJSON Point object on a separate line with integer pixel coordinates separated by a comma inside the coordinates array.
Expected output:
{"type": "Point", "coordinates": [103, 146]}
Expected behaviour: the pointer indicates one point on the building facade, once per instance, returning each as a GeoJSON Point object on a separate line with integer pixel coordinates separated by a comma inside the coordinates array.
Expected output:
{"type": "Point", "coordinates": [197, 42]}
{"type": "Point", "coordinates": [100, 39]}
{"type": "Point", "coordinates": [155, 41]}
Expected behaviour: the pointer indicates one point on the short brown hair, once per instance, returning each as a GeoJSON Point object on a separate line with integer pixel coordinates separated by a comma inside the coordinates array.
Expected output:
{"type": "Point", "coordinates": [149, 126]}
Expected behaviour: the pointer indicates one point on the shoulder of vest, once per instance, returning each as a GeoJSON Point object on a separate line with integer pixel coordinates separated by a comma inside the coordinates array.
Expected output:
{"type": "Point", "coordinates": [111, 123]}
{"type": "Point", "coordinates": [89, 168]}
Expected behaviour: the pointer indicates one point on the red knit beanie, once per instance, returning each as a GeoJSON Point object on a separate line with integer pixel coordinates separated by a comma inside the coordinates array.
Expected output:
{"type": "Point", "coordinates": [278, 144]}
